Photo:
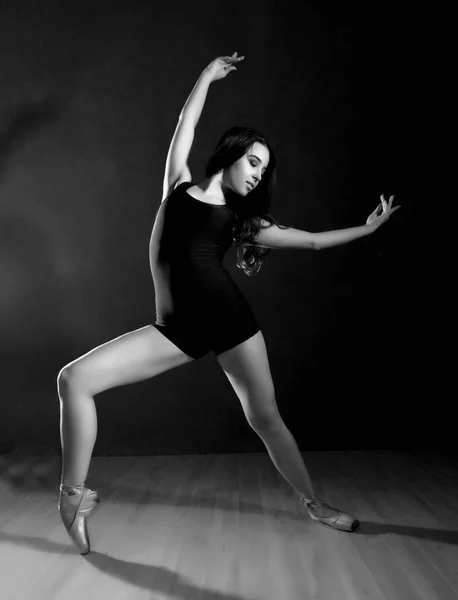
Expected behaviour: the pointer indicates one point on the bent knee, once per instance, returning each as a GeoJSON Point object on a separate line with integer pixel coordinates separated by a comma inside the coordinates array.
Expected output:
{"type": "Point", "coordinates": [69, 376]}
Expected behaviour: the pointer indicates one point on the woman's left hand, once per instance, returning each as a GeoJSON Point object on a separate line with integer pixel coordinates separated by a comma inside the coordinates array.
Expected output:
{"type": "Point", "coordinates": [223, 65]}
{"type": "Point", "coordinates": [382, 213]}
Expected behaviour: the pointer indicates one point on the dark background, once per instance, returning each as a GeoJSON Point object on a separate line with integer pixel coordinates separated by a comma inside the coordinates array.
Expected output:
{"type": "Point", "coordinates": [90, 96]}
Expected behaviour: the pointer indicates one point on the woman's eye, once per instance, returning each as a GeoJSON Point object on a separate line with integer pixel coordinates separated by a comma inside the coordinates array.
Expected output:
{"type": "Point", "coordinates": [253, 164]}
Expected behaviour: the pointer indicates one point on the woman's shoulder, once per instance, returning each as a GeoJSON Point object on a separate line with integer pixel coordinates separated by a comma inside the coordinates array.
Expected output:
{"type": "Point", "coordinates": [183, 185]}
{"type": "Point", "coordinates": [178, 189]}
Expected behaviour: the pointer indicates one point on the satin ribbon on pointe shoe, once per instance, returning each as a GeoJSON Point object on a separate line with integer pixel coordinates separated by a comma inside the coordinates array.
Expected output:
{"type": "Point", "coordinates": [76, 503]}
{"type": "Point", "coordinates": [326, 514]}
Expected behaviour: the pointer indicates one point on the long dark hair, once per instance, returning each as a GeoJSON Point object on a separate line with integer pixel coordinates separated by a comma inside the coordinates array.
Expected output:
{"type": "Point", "coordinates": [250, 210]}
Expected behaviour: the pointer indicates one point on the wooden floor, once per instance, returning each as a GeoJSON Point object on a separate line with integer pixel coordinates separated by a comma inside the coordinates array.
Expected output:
{"type": "Point", "coordinates": [228, 527]}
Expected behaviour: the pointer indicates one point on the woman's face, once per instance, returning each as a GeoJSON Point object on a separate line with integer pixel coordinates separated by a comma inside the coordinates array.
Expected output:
{"type": "Point", "coordinates": [246, 173]}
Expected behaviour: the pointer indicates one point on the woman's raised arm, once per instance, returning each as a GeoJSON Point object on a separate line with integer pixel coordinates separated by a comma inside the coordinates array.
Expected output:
{"type": "Point", "coordinates": [176, 167]}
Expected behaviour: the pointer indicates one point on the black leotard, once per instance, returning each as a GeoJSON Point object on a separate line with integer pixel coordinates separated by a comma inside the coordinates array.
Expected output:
{"type": "Point", "coordinates": [199, 307]}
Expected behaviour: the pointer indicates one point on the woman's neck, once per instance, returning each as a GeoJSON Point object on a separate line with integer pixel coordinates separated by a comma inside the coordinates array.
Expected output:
{"type": "Point", "coordinates": [212, 188]}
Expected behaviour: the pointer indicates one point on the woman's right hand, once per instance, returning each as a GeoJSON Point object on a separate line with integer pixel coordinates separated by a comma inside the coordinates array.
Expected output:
{"type": "Point", "coordinates": [221, 66]}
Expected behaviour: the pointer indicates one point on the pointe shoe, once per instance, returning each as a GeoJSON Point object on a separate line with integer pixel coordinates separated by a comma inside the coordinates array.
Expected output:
{"type": "Point", "coordinates": [76, 503]}
{"type": "Point", "coordinates": [323, 513]}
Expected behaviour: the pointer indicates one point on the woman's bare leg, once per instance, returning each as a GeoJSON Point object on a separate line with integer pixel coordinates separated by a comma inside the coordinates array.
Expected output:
{"type": "Point", "coordinates": [247, 368]}
{"type": "Point", "coordinates": [132, 357]}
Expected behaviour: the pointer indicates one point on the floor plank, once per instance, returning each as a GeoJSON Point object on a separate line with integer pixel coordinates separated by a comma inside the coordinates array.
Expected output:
{"type": "Point", "coordinates": [229, 527]}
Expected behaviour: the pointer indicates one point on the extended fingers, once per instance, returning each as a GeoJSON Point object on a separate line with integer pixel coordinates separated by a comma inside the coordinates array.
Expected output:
{"type": "Point", "coordinates": [233, 58]}
{"type": "Point", "coordinates": [390, 209]}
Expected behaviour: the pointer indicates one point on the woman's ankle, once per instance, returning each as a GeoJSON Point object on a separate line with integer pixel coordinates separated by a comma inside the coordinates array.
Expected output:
{"type": "Point", "coordinates": [311, 500]}
{"type": "Point", "coordinates": [71, 489]}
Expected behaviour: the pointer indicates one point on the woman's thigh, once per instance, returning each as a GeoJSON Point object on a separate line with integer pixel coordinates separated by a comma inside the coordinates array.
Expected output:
{"type": "Point", "coordinates": [132, 357]}
{"type": "Point", "coordinates": [247, 368]}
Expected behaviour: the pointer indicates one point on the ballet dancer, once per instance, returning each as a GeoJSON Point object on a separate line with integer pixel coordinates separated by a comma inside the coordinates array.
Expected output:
{"type": "Point", "coordinates": [199, 307]}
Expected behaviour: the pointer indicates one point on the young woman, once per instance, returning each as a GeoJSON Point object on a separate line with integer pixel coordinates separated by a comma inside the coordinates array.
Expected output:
{"type": "Point", "coordinates": [199, 308]}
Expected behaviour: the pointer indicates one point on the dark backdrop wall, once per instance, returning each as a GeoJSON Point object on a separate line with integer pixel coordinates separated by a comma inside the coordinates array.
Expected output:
{"type": "Point", "coordinates": [90, 96]}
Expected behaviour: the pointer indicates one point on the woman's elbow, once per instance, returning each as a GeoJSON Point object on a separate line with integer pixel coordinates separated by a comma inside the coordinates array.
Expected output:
{"type": "Point", "coordinates": [310, 243]}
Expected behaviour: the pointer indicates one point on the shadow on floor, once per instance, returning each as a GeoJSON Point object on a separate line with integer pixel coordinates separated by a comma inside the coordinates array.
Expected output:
{"type": "Point", "coordinates": [151, 578]}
